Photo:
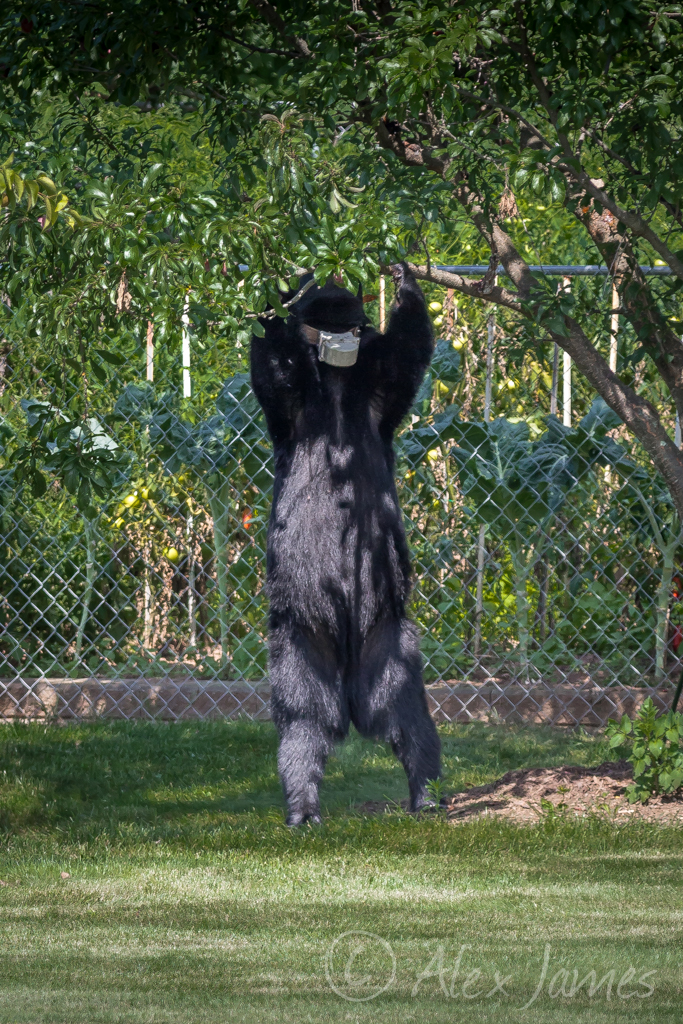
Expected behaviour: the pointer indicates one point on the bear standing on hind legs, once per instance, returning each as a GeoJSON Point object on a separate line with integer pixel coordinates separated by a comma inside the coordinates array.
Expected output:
{"type": "Point", "coordinates": [342, 649]}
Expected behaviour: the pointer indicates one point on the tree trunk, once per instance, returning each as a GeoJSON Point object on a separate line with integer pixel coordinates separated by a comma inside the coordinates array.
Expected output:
{"type": "Point", "coordinates": [636, 412]}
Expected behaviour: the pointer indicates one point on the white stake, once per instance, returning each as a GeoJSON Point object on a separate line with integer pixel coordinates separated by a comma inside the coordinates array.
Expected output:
{"type": "Point", "coordinates": [382, 303]}
{"type": "Point", "coordinates": [614, 331]}
{"type": "Point", "coordinates": [613, 350]}
{"type": "Point", "coordinates": [553, 389]}
{"type": "Point", "coordinates": [187, 382]}
{"type": "Point", "coordinates": [567, 391]}
{"type": "Point", "coordinates": [567, 374]}
{"type": "Point", "coordinates": [150, 350]}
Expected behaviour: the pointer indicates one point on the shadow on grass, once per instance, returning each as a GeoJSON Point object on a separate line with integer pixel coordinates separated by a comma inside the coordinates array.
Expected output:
{"type": "Point", "coordinates": [169, 770]}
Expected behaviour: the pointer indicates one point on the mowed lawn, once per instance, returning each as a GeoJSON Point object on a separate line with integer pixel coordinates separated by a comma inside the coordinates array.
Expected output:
{"type": "Point", "coordinates": [187, 899]}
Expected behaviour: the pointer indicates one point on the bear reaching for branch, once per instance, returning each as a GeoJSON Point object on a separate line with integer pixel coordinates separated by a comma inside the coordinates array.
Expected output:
{"type": "Point", "coordinates": [341, 647]}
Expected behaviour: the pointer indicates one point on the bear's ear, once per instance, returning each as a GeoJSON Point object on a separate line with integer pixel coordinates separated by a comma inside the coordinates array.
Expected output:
{"type": "Point", "coordinates": [359, 293]}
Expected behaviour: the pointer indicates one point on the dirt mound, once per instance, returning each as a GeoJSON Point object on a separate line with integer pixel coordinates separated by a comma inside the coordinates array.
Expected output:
{"type": "Point", "coordinates": [525, 795]}
{"type": "Point", "coordinates": [528, 794]}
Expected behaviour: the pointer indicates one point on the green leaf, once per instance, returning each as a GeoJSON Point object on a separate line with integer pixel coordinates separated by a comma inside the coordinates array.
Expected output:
{"type": "Point", "coordinates": [111, 357]}
{"type": "Point", "coordinates": [557, 325]}
{"type": "Point", "coordinates": [83, 497]}
{"type": "Point", "coordinates": [71, 479]}
{"type": "Point", "coordinates": [38, 483]}
{"type": "Point", "coordinates": [99, 371]}
{"type": "Point", "coordinates": [659, 80]}
{"type": "Point", "coordinates": [557, 190]}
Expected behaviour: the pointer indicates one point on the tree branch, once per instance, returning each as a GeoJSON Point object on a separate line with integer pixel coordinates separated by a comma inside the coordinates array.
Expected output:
{"type": "Point", "coordinates": [669, 207]}
{"type": "Point", "coordinates": [661, 343]}
{"type": "Point", "coordinates": [510, 111]}
{"type": "Point", "coordinates": [632, 220]}
{"type": "Point", "coordinates": [636, 412]}
{"type": "Point", "coordinates": [497, 295]}
{"type": "Point", "coordinates": [274, 19]}
{"type": "Point", "coordinates": [497, 240]}
{"type": "Point", "coordinates": [247, 46]}
{"type": "Point", "coordinates": [414, 154]}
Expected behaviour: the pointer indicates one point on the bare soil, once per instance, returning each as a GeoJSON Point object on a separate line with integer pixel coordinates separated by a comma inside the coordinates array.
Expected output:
{"type": "Point", "coordinates": [524, 796]}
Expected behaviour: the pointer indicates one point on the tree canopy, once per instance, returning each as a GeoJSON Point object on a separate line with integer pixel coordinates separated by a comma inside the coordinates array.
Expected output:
{"type": "Point", "coordinates": [186, 140]}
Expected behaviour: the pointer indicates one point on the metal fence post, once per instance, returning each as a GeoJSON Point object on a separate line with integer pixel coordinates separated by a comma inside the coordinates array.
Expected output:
{"type": "Point", "coordinates": [481, 540]}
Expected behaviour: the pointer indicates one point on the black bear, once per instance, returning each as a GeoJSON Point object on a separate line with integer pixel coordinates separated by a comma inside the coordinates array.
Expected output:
{"type": "Point", "coordinates": [334, 390]}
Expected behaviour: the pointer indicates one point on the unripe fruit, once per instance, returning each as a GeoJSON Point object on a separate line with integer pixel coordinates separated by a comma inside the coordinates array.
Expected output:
{"type": "Point", "coordinates": [433, 455]}
{"type": "Point", "coordinates": [458, 344]}
{"type": "Point", "coordinates": [512, 384]}
{"type": "Point", "coordinates": [130, 500]}
{"type": "Point", "coordinates": [172, 554]}
{"type": "Point", "coordinates": [438, 320]}
{"type": "Point", "coordinates": [441, 388]}
{"type": "Point", "coordinates": [435, 307]}
{"type": "Point", "coordinates": [118, 523]}
{"type": "Point", "coordinates": [144, 492]}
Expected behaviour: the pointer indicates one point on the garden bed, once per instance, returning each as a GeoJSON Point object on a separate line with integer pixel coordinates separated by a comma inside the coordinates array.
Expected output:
{"type": "Point", "coordinates": [528, 794]}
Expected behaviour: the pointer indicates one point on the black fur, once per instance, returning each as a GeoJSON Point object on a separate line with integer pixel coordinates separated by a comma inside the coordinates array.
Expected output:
{"type": "Point", "coordinates": [341, 647]}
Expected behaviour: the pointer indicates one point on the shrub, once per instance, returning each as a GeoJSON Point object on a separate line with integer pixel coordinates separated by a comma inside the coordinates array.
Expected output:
{"type": "Point", "coordinates": [653, 745]}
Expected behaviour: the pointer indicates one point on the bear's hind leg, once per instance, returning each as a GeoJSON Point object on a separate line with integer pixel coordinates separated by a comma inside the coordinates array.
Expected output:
{"type": "Point", "coordinates": [303, 751]}
{"type": "Point", "coordinates": [307, 712]}
{"type": "Point", "coordinates": [416, 743]}
{"type": "Point", "coordinates": [391, 702]}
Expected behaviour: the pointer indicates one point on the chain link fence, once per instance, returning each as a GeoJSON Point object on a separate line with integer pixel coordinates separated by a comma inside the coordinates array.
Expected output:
{"type": "Point", "coordinates": [134, 494]}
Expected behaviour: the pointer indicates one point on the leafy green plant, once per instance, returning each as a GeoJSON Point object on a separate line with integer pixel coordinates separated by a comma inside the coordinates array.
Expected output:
{"type": "Point", "coordinates": [517, 486]}
{"type": "Point", "coordinates": [653, 517]}
{"type": "Point", "coordinates": [436, 790]}
{"type": "Point", "coordinates": [654, 750]}
{"type": "Point", "coordinates": [87, 462]}
{"type": "Point", "coordinates": [229, 453]}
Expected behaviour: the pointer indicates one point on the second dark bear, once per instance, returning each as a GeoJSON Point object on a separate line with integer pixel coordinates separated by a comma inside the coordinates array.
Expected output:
{"type": "Point", "coordinates": [341, 647]}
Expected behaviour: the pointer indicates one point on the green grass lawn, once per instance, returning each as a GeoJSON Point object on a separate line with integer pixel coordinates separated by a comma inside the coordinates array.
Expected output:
{"type": "Point", "coordinates": [188, 899]}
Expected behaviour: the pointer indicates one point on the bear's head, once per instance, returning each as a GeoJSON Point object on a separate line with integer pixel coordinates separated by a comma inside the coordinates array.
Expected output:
{"type": "Point", "coordinates": [330, 308]}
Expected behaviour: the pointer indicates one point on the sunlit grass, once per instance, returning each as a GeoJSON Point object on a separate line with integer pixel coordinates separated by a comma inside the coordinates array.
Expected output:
{"type": "Point", "coordinates": [189, 900]}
